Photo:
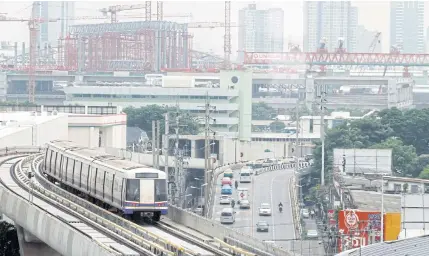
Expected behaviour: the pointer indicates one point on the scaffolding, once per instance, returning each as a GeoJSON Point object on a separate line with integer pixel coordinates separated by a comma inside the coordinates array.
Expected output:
{"type": "Point", "coordinates": [127, 46]}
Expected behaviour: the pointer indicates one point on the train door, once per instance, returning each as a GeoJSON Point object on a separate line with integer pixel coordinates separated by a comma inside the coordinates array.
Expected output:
{"type": "Point", "coordinates": [146, 191]}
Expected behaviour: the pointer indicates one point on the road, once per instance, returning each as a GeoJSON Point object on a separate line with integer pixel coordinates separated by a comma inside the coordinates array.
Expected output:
{"type": "Point", "coordinates": [271, 188]}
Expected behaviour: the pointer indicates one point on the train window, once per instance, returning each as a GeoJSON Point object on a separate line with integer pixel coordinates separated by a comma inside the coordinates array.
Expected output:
{"type": "Point", "coordinates": [74, 165]}
{"type": "Point", "coordinates": [60, 166]}
{"type": "Point", "coordinates": [46, 158]}
{"type": "Point", "coordinates": [95, 181]}
{"type": "Point", "coordinates": [104, 182]}
{"type": "Point", "coordinates": [55, 163]}
{"type": "Point", "coordinates": [65, 167]}
{"type": "Point", "coordinates": [113, 184]}
{"type": "Point", "coordinates": [133, 190]}
{"type": "Point", "coordinates": [87, 177]}
{"type": "Point", "coordinates": [80, 174]}
{"type": "Point", "coordinates": [160, 190]}
{"type": "Point", "coordinates": [146, 175]}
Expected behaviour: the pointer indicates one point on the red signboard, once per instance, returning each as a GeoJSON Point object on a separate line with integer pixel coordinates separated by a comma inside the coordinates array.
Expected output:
{"type": "Point", "coordinates": [357, 227]}
{"type": "Point", "coordinates": [331, 217]}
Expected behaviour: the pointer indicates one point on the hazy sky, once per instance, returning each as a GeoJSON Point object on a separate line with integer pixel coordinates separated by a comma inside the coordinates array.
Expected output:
{"type": "Point", "coordinates": [373, 15]}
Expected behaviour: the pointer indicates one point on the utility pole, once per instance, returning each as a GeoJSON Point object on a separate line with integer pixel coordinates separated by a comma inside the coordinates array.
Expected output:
{"type": "Point", "coordinates": [296, 145]}
{"type": "Point", "coordinates": [207, 151]}
{"type": "Point", "coordinates": [154, 144]}
{"type": "Point", "coordinates": [207, 155]}
{"type": "Point", "coordinates": [321, 103]}
{"type": "Point", "coordinates": [158, 142]}
{"type": "Point", "coordinates": [171, 180]}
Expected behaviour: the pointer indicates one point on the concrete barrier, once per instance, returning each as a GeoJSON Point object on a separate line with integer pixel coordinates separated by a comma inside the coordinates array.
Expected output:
{"type": "Point", "coordinates": [60, 236]}
{"type": "Point", "coordinates": [216, 230]}
{"type": "Point", "coordinates": [281, 167]}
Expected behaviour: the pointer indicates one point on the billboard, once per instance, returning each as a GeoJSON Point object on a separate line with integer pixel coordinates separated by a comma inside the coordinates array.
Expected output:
{"type": "Point", "coordinates": [392, 226]}
{"type": "Point", "coordinates": [331, 218]}
{"type": "Point", "coordinates": [414, 212]}
{"type": "Point", "coordinates": [359, 161]}
{"type": "Point", "coordinates": [358, 228]}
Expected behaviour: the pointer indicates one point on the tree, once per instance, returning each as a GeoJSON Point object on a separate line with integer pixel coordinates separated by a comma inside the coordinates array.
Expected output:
{"type": "Point", "coordinates": [142, 117]}
{"type": "Point", "coordinates": [412, 126]}
{"type": "Point", "coordinates": [277, 126]}
{"type": "Point", "coordinates": [362, 133]}
{"type": "Point", "coordinates": [425, 173]}
{"type": "Point", "coordinates": [261, 111]}
{"type": "Point", "coordinates": [404, 156]}
{"type": "Point", "coordinates": [8, 239]}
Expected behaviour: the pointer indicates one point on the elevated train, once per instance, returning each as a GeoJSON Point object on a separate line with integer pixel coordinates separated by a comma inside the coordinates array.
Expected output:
{"type": "Point", "coordinates": [131, 189]}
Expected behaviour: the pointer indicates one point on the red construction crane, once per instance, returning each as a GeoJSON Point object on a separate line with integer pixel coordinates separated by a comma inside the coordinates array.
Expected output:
{"type": "Point", "coordinates": [33, 25]}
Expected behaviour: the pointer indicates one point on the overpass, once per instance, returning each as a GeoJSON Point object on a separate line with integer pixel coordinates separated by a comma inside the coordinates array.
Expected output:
{"type": "Point", "coordinates": [52, 221]}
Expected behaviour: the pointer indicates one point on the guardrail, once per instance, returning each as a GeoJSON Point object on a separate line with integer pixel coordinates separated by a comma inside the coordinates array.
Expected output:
{"type": "Point", "coordinates": [124, 228]}
{"type": "Point", "coordinates": [226, 234]}
{"type": "Point", "coordinates": [212, 189]}
{"type": "Point", "coordinates": [280, 167]}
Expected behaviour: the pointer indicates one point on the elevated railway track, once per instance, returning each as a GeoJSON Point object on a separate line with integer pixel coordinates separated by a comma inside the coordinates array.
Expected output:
{"type": "Point", "coordinates": [124, 237]}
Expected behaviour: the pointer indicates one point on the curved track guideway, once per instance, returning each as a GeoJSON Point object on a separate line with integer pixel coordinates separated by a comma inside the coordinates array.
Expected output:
{"type": "Point", "coordinates": [12, 181]}
{"type": "Point", "coordinates": [175, 244]}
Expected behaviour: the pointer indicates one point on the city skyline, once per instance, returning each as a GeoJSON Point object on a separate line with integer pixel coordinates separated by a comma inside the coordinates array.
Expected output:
{"type": "Point", "coordinates": [372, 15]}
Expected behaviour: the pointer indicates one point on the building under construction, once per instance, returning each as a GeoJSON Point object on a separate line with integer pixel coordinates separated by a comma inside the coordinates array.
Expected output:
{"type": "Point", "coordinates": [127, 46]}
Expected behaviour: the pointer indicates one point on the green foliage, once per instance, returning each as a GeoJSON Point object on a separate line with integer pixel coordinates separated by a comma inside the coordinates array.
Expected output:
{"type": "Point", "coordinates": [405, 132]}
{"type": "Point", "coordinates": [277, 126]}
{"type": "Point", "coordinates": [411, 126]}
{"type": "Point", "coordinates": [142, 117]}
{"type": "Point", "coordinates": [8, 239]}
{"type": "Point", "coordinates": [404, 157]}
{"type": "Point", "coordinates": [261, 111]}
{"type": "Point", "coordinates": [425, 173]}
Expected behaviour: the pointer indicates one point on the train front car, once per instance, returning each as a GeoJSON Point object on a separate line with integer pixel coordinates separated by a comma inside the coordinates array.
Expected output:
{"type": "Point", "coordinates": [146, 194]}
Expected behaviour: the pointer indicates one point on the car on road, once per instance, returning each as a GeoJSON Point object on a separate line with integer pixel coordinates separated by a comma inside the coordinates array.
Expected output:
{"type": "Point", "coordinates": [226, 190]}
{"type": "Point", "coordinates": [225, 199]}
{"type": "Point", "coordinates": [262, 226]}
{"type": "Point", "coordinates": [312, 234]}
{"type": "Point", "coordinates": [244, 204]}
{"type": "Point", "coordinates": [228, 173]}
{"type": "Point", "coordinates": [265, 210]}
{"type": "Point", "coordinates": [227, 216]}
{"type": "Point", "coordinates": [226, 181]}
{"type": "Point", "coordinates": [305, 213]}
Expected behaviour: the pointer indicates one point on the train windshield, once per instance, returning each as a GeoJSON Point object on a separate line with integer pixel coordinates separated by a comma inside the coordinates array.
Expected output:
{"type": "Point", "coordinates": [160, 190]}
{"type": "Point", "coordinates": [133, 190]}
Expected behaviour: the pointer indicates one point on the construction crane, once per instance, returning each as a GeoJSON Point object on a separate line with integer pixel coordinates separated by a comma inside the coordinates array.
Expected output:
{"type": "Point", "coordinates": [227, 38]}
{"type": "Point", "coordinates": [34, 26]}
{"type": "Point", "coordinates": [371, 49]}
{"type": "Point", "coordinates": [114, 9]}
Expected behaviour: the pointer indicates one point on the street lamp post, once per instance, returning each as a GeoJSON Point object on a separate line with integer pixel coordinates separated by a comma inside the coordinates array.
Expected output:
{"type": "Point", "coordinates": [186, 200]}
{"type": "Point", "coordinates": [201, 191]}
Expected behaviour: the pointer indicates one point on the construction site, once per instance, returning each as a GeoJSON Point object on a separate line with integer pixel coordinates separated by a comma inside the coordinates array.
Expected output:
{"type": "Point", "coordinates": [156, 46]}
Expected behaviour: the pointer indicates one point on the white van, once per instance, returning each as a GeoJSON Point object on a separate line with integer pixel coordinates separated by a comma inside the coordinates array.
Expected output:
{"type": "Point", "coordinates": [227, 216]}
{"type": "Point", "coordinates": [245, 176]}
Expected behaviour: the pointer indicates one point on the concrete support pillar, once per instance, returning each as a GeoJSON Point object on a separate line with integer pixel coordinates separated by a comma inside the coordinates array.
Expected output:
{"type": "Point", "coordinates": [221, 151]}
{"type": "Point", "coordinates": [193, 149]}
{"type": "Point", "coordinates": [29, 245]}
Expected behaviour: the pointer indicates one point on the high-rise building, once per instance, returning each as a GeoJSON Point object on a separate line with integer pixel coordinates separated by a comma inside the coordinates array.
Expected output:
{"type": "Point", "coordinates": [331, 21]}
{"type": "Point", "coordinates": [407, 26]}
{"type": "Point", "coordinates": [365, 38]}
{"type": "Point", "coordinates": [260, 30]}
{"type": "Point", "coordinates": [50, 32]}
